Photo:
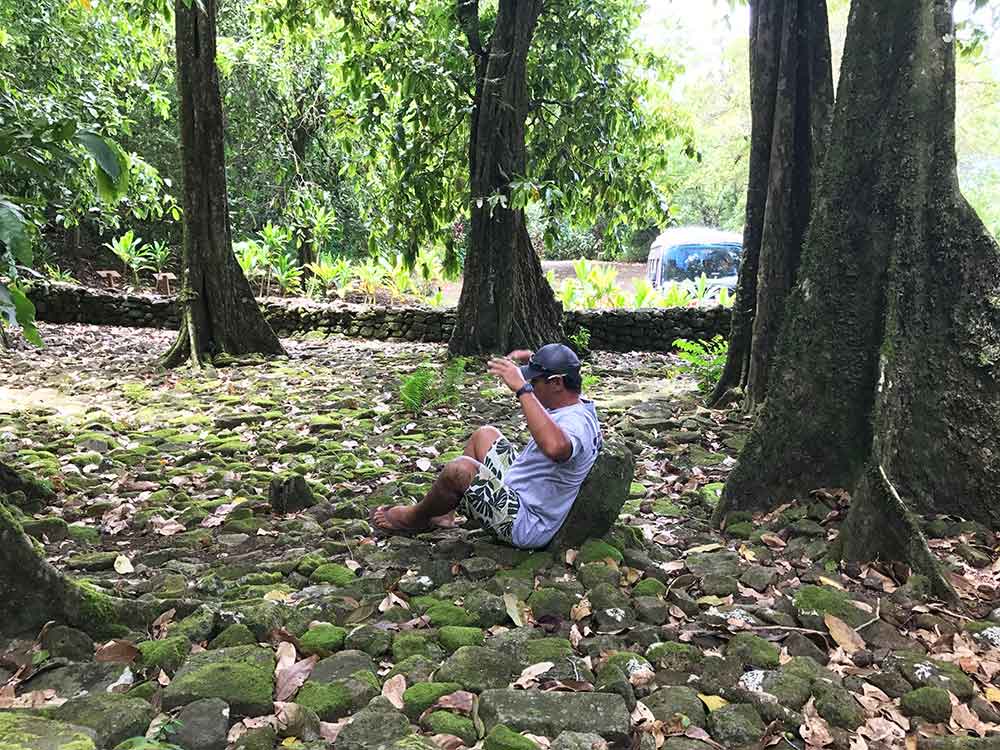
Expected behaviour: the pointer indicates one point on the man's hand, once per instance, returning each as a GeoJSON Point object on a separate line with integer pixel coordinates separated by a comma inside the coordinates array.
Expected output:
{"type": "Point", "coordinates": [520, 355]}
{"type": "Point", "coordinates": [507, 371]}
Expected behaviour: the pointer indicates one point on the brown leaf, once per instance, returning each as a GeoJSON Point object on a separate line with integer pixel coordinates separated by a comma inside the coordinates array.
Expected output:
{"type": "Point", "coordinates": [285, 654]}
{"type": "Point", "coordinates": [773, 540]}
{"type": "Point", "coordinates": [580, 610]}
{"type": "Point", "coordinates": [845, 636]}
{"type": "Point", "coordinates": [568, 686]}
{"type": "Point", "coordinates": [529, 676]}
{"type": "Point", "coordinates": [118, 651]}
{"type": "Point", "coordinates": [461, 701]}
{"type": "Point", "coordinates": [517, 610]}
{"type": "Point", "coordinates": [814, 730]}
{"type": "Point", "coordinates": [697, 733]}
{"type": "Point", "coordinates": [163, 678]}
{"type": "Point", "coordinates": [393, 689]}
{"type": "Point", "coordinates": [165, 527]}
{"type": "Point", "coordinates": [391, 600]}
{"type": "Point", "coordinates": [290, 678]}
{"type": "Point", "coordinates": [360, 614]}
{"type": "Point", "coordinates": [329, 731]}
{"type": "Point", "coordinates": [447, 741]}
{"type": "Point", "coordinates": [159, 625]}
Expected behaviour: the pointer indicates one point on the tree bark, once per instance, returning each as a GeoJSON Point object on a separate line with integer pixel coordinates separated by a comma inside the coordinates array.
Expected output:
{"type": "Point", "coordinates": [791, 96]}
{"type": "Point", "coordinates": [36, 591]}
{"type": "Point", "coordinates": [506, 301]}
{"type": "Point", "coordinates": [218, 310]}
{"type": "Point", "coordinates": [887, 376]}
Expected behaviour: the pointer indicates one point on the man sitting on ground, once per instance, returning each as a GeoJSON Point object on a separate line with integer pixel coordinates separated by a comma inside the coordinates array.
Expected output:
{"type": "Point", "coordinates": [524, 500]}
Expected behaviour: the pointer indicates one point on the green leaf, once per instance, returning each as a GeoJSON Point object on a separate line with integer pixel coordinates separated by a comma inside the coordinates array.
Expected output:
{"type": "Point", "coordinates": [14, 232]}
{"type": "Point", "coordinates": [111, 162]}
{"type": "Point", "coordinates": [19, 311]}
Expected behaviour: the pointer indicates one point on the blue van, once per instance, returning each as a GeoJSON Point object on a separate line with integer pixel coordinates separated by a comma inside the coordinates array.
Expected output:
{"type": "Point", "coordinates": [683, 254]}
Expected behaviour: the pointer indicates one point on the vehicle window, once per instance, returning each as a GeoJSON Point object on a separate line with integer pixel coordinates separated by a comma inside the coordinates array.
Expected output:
{"type": "Point", "coordinates": [691, 261]}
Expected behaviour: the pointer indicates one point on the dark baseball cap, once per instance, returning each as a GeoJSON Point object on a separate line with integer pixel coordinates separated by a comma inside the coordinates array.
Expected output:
{"type": "Point", "coordinates": [551, 359]}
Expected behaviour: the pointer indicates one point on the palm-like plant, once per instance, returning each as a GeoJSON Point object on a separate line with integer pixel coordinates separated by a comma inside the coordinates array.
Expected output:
{"type": "Point", "coordinates": [131, 251]}
{"type": "Point", "coordinates": [287, 274]}
{"type": "Point", "coordinates": [370, 277]}
{"type": "Point", "coordinates": [160, 255]}
{"type": "Point", "coordinates": [397, 275]}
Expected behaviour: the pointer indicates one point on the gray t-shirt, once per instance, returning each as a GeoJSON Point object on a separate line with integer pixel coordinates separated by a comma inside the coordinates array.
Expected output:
{"type": "Point", "coordinates": [547, 489]}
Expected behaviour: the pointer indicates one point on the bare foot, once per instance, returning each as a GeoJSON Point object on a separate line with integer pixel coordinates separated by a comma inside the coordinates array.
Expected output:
{"type": "Point", "coordinates": [397, 519]}
{"type": "Point", "coordinates": [447, 521]}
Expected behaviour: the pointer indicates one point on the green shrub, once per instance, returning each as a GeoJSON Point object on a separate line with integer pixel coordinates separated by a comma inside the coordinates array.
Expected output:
{"type": "Point", "coordinates": [703, 359]}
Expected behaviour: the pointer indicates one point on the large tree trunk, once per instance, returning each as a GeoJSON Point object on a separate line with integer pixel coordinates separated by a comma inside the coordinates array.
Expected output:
{"type": "Point", "coordinates": [37, 592]}
{"type": "Point", "coordinates": [886, 377]}
{"type": "Point", "coordinates": [219, 312]}
{"type": "Point", "coordinates": [505, 301]}
{"type": "Point", "coordinates": [791, 97]}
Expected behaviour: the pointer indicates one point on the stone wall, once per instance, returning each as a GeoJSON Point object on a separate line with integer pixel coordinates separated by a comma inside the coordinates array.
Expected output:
{"type": "Point", "coordinates": [616, 330]}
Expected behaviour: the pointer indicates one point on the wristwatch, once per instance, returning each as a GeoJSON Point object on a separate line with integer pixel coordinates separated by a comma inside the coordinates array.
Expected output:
{"type": "Point", "coordinates": [526, 388]}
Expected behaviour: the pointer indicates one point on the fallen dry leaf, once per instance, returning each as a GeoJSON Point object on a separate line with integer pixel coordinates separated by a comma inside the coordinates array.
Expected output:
{"type": "Point", "coordinates": [832, 583]}
{"type": "Point", "coordinates": [845, 636]}
{"type": "Point", "coordinates": [123, 565]}
{"type": "Point", "coordinates": [529, 676]}
{"type": "Point", "coordinates": [447, 741]}
{"type": "Point", "coordinates": [580, 610]}
{"type": "Point", "coordinates": [461, 700]}
{"type": "Point", "coordinates": [703, 548]}
{"type": "Point", "coordinates": [159, 625]}
{"type": "Point", "coordinates": [117, 651]}
{"type": "Point", "coordinates": [773, 540]}
{"type": "Point", "coordinates": [285, 655]}
{"type": "Point", "coordinates": [517, 610]}
{"type": "Point", "coordinates": [289, 679]}
{"type": "Point", "coordinates": [166, 527]}
{"type": "Point", "coordinates": [163, 678]}
{"type": "Point", "coordinates": [814, 729]}
{"type": "Point", "coordinates": [713, 702]}
{"type": "Point", "coordinates": [329, 730]}
{"type": "Point", "coordinates": [393, 689]}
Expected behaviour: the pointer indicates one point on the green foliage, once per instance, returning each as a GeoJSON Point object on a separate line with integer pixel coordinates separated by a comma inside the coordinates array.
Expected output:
{"type": "Point", "coordinates": [57, 274]}
{"type": "Point", "coordinates": [160, 255]}
{"type": "Point", "coordinates": [415, 390]}
{"type": "Point", "coordinates": [580, 339]}
{"type": "Point", "coordinates": [426, 387]}
{"type": "Point", "coordinates": [134, 255]}
{"type": "Point", "coordinates": [703, 359]}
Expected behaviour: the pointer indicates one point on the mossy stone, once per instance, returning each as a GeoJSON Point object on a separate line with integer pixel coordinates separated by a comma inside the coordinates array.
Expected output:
{"type": "Point", "coordinates": [629, 663]}
{"type": "Point", "coordinates": [812, 602]}
{"type": "Point", "coordinates": [649, 587]}
{"type": "Point", "coordinates": [478, 668]}
{"type": "Point", "coordinates": [237, 634]}
{"type": "Point", "coordinates": [167, 654]}
{"type": "Point", "coordinates": [333, 574]}
{"type": "Point", "coordinates": [838, 706]}
{"type": "Point", "coordinates": [445, 722]}
{"type": "Point", "coordinates": [27, 732]}
{"type": "Point", "coordinates": [551, 603]}
{"type": "Point", "coordinates": [373, 640]}
{"type": "Point", "coordinates": [735, 725]}
{"type": "Point", "coordinates": [242, 676]}
{"type": "Point", "coordinates": [673, 656]}
{"type": "Point", "coordinates": [667, 702]}
{"type": "Point", "coordinates": [323, 639]}
{"type": "Point", "coordinates": [197, 626]}
{"type": "Point", "coordinates": [453, 637]}
{"type": "Point", "coordinates": [597, 550]}
{"type": "Point", "coordinates": [931, 703]}
{"type": "Point", "coordinates": [446, 613]}
{"type": "Point", "coordinates": [405, 645]}
{"type": "Point", "coordinates": [418, 698]}
{"type": "Point", "coordinates": [415, 668]}
{"type": "Point", "coordinates": [329, 701]}
{"type": "Point", "coordinates": [546, 649]}
{"type": "Point", "coordinates": [504, 738]}
{"type": "Point", "coordinates": [595, 573]}
{"type": "Point", "coordinates": [753, 651]}
{"type": "Point", "coordinates": [112, 716]}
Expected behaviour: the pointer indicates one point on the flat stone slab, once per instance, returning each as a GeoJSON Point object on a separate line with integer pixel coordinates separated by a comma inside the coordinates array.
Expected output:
{"type": "Point", "coordinates": [549, 714]}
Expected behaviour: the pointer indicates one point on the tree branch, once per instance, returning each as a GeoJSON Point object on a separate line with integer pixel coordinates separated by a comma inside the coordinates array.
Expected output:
{"type": "Point", "coordinates": [468, 19]}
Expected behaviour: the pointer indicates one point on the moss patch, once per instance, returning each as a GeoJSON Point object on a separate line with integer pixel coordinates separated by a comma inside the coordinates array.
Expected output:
{"type": "Point", "coordinates": [504, 738]}
{"type": "Point", "coordinates": [330, 702]}
{"type": "Point", "coordinates": [418, 698]}
{"type": "Point", "coordinates": [323, 639]}
{"type": "Point", "coordinates": [453, 637]}
{"type": "Point", "coordinates": [596, 550]}
{"type": "Point", "coordinates": [167, 654]}
{"type": "Point", "coordinates": [333, 574]}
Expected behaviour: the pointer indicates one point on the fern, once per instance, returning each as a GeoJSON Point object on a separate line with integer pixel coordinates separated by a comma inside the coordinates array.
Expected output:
{"type": "Point", "coordinates": [416, 389]}
{"type": "Point", "coordinates": [447, 390]}
{"type": "Point", "coordinates": [703, 359]}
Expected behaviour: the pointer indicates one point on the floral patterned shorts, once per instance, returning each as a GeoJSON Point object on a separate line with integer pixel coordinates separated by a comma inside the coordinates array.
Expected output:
{"type": "Point", "coordinates": [488, 499]}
